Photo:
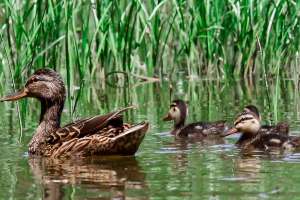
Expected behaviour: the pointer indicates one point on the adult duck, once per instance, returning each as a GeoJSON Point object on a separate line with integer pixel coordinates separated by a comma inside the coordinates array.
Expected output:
{"type": "Point", "coordinates": [98, 135]}
{"type": "Point", "coordinates": [178, 112]}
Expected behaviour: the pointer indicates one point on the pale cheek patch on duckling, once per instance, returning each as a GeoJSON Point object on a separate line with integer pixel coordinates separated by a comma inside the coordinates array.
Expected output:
{"type": "Point", "coordinates": [175, 114]}
{"type": "Point", "coordinates": [248, 126]}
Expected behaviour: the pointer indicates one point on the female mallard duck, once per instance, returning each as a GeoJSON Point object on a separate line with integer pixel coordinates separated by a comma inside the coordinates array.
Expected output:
{"type": "Point", "coordinates": [253, 135]}
{"type": "Point", "coordinates": [99, 135]}
{"type": "Point", "coordinates": [178, 113]}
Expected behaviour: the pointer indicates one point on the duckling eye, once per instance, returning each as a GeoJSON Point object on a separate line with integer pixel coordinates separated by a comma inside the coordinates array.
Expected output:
{"type": "Point", "coordinates": [33, 79]}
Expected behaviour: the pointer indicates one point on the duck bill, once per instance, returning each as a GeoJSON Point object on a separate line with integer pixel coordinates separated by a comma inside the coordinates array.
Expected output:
{"type": "Point", "coordinates": [230, 132]}
{"type": "Point", "coordinates": [15, 96]}
{"type": "Point", "coordinates": [167, 117]}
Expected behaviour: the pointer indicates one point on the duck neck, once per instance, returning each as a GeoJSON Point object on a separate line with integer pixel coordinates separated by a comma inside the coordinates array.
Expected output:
{"type": "Point", "coordinates": [49, 123]}
{"type": "Point", "coordinates": [245, 138]}
{"type": "Point", "coordinates": [51, 113]}
{"type": "Point", "coordinates": [178, 125]}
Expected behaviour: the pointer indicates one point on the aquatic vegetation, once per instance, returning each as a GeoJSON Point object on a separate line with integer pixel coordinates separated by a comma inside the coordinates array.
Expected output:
{"type": "Point", "coordinates": [89, 39]}
{"type": "Point", "coordinates": [115, 42]}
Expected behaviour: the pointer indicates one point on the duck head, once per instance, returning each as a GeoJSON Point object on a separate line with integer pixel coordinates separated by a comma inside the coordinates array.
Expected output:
{"type": "Point", "coordinates": [45, 85]}
{"type": "Point", "coordinates": [178, 113]}
{"type": "Point", "coordinates": [247, 122]}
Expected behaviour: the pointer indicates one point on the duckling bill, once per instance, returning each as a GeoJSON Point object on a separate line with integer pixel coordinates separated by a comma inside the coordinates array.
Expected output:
{"type": "Point", "coordinates": [98, 135]}
{"type": "Point", "coordinates": [254, 135]}
{"type": "Point", "coordinates": [178, 112]}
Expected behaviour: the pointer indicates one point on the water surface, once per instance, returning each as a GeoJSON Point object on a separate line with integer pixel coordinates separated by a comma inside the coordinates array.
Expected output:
{"type": "Point", "coordinates": [163, 168]}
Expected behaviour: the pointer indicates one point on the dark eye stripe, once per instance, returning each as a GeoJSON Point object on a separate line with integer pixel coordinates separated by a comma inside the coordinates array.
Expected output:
{"type": "Point", "coordinates": [173, 106]}
{"type": "Point", "coordinates": [242, 119]}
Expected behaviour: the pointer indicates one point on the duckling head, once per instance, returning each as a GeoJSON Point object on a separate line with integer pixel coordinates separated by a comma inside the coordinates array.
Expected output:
{"type": "Point", "coordinates": [44, 84]}
{"type": "Point", "coordinates": [247, 122]}
{"type": "Point", "coordinates": [178, 113]}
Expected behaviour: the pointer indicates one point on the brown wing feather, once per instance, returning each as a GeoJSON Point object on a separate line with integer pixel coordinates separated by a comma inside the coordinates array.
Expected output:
{"type": "Point", "coordinates": [125, 143]}
{"type": "Point", "coordinates": [83, 127]}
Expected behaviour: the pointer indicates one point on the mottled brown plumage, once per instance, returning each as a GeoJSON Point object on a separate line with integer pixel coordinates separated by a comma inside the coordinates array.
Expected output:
{"type": "Point", "coordinates": [178, 113]}
{"type": "Point", "coordinates": [255, 136]}
{"type": "Point", "coordinates": [99, 135]}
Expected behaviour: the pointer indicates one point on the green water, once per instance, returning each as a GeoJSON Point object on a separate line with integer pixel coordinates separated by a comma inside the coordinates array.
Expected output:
{"type": "Point", "coordinates": [162, 168]}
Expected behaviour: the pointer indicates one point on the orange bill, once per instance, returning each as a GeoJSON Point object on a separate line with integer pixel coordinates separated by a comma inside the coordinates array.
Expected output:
{"type": "Point", "coordinates": [230, 132]}
{"type": "Point", "coordinates": [167, 117]}
{"type": "Point", "coordinates": [15, 96]}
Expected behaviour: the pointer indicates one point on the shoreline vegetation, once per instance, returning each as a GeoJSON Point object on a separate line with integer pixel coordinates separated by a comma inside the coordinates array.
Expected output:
{"type": "Point", "coordinates": [112, 42]}
{"type": "Point", "coordinates": [207, 39]}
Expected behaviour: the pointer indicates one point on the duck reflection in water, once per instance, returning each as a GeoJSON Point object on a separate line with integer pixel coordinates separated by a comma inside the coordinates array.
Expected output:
{"type": "Point", "coordinates": [249, 163]}
{"type": "Point", "coordinates": [180, 148]}
{"type": "Point", "coordinates": [247, 168]}
{"type": "Point", "coordinates": [102, 177]}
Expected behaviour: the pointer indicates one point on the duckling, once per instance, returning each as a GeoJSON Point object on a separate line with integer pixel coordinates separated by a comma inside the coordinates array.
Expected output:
{"type": "Point", "coordinates": [254, 135]}
{"type": "Point", "coordinates": [281, 128]}
{"type": "Point", "coordinates": [178, 113]}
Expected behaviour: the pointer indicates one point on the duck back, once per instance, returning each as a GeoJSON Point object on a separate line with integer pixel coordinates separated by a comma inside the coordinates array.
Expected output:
{"type": "Point", "coordinates": [203, 129]}
{"type": "Point", "coordinates": [281, 128]}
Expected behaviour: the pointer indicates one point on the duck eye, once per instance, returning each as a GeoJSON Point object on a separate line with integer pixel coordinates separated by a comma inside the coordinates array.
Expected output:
{"type": "Point", "coordinates": [174, 109]}
{"type": "Point", "coordinates": [33, 79]}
